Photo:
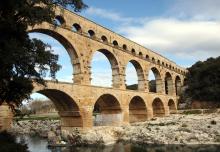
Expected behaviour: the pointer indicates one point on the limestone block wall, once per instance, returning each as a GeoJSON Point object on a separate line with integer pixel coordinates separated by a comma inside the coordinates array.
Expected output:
{"type": "Point", "coordinates": [5, 117]}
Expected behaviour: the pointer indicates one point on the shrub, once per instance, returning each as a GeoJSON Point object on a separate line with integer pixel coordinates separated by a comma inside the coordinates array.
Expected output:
{"type": "Point", "coordinates": [187, 112]}
{"type": "Point", "coordinates": [8, 143]}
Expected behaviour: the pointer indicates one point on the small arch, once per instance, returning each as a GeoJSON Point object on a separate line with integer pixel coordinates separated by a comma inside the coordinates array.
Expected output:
{"type": "Point", "coordinates": [133, 51]}
{"type": "Point", "coordinates": [158, 62]}
{"type": "Point", "coordinates": [147, 57]}
{"type": "Point", "coordinates": [178, 85]}
{"type": "Point", "coordinates": [170, 66]}
{"type": "Point", "coordinates": [104, 39]}
{"type": "Point", "coordinates": [172, 106]}
{"type": "Point", "coordinates": [91, 33]}
{"type": "Point", "coordinates": [137, 110]}
{"type": "Point", "coordinates": [166, 65]}
{"type": "Point", "coordinates": [77, 28]}
{"type": "Point", "coordinates": [59, 21]}
{"type": "Point", "coordinates": [124, 47]}
{"type": "Point", "coordinates": [162, 63]}
{"type": "Point", "coordinates": [153, 59]}
{"type": "Point", "coordinates": [141, 54]}
{"type": "Point", "coordinates": [155, 85]}
{"type": "Point", "coordinates": [158, 108]}
{"type": "Point", "coordinates": [115, 43]}
{"type": "Point", "coordinates": [168, 84]}
{"type": "Point", "coordinates": [107, 111]}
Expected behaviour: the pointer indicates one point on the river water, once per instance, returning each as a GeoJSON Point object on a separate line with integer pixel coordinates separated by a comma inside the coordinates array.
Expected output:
{"type": "Point", "coordinates": [37, 144]}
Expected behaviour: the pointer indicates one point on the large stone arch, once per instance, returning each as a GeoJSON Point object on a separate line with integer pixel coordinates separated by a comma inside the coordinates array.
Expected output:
{"type": "Point", "coordinates": [68, 109]}
{"type": "Point", "coordinates": [172, 106]}
{"type": "Point", "coordinates": [107, 111]}
{"type": "Point", "coordinates": [74, 55]}
{"type": "Point", "coordinates": [114, 66]}
{"type": "Point", "coordinates": [159, 82]}
{"type": "Point", "coordinates": [168, 82]}
{"type": "Point", "coordinates": [140, 74]}
{"type": "Point", "coordinates": [137, 110]}
{"type": "Point", "coordinates": [158, 108]}
{"type": "Point", "coordinates": [178, 85]}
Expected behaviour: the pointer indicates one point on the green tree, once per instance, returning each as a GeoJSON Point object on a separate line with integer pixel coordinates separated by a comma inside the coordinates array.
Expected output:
{"type": "Point", "coordinates": [8, 143]}
{"type": "Point", "coordinates": [203, 80]}
{"type": "Point", "coordinates": [23, 60]}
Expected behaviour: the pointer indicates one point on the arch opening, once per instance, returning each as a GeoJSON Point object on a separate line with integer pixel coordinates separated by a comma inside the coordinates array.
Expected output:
{"type": "Point", "coordinates": [178, 85]}
{"type": "Point", "coordinates": [172, 106]}
{"type": "Point", "coordinates": [153, 59]}
{"type": "Point", "coordinates": [59, 21]}
{"type": "Point", "coordinates": [115, 43]}
{"type": "Point", "coordinates": [65, 50]}
{"type": "Point", "coordinates": [91, 33]}
{"type": "Point", "coordinates": [168, 84]}
{"type": "Point", "coordinates": [67, 108]}
{"type": "Point", "coordinates": [124, 47]}
{"type": "Point", "coordinates": [158, 62]}
{"type": "Point", "coordinates": [140, 54]}
{"type": "Point", "coordinates": [134, 76]}
{"type": "Point", "coordinates": [158, 108]}
{"type": "Point", "coordinates": [104, 39]}
{"type": "Point", "coordinates": [107, 111]}
{"type": "Point", "coordinates": [77, 28]}
{"type": "Point", "coordinates": [147, 57]}
{"type": "Point", "coordinates": [133, 51]}
{"type": "Point", "coordinates": [154, 81]}
{"type": "Point", "coordinates": [105, 69]}
{"type": "Point", "coordinates": [137, 110]}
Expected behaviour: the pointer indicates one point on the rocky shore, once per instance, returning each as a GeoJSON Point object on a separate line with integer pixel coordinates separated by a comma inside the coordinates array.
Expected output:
{"type": "Point", "coordinates": [175, 129]}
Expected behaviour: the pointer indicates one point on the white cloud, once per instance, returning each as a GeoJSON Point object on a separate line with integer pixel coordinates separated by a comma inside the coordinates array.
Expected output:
{"type": "Point", "coordinates": [188, 39]}
{"type": "Point", "coordinates": [188, 30]}
{"type": "Point", "coordinates": [107, 14]}
{"type": "Point", "coordinates": [196, 9]}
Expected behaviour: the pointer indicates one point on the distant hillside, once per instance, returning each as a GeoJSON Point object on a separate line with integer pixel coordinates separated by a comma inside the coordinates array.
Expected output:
{"type": "Point", "coordinates": [152, 86]}
{"type": "Point", "coordinates": [132, 87]}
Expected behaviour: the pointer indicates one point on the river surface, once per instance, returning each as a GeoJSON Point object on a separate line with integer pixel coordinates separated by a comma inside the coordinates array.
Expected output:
{"type": "Point", "coordinates": [37, 144]}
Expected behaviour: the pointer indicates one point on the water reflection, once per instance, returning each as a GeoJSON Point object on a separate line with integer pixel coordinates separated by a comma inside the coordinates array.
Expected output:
{"type": "Point", "coordinates": [36, 144]}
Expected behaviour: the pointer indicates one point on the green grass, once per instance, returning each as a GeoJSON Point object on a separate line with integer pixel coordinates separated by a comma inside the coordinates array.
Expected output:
{"type": "Point", "coordinates": [188, 112]}
{"type": "Point", "coordinates": [37, 117]}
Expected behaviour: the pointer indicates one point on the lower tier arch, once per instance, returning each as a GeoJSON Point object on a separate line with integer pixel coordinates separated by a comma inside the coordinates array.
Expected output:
{"type": "Point", "coordinates": [158, 108]}
{"type": "Point", "coordinates": [137, 110]}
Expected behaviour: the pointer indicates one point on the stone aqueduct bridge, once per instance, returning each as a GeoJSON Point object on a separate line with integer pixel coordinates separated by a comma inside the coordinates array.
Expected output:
{"type": "Point", "coordinates": [76, 101]}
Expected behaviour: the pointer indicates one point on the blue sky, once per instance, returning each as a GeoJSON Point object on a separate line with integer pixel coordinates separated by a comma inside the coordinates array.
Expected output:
{"type": "Point", "coordinates": [185, 31]}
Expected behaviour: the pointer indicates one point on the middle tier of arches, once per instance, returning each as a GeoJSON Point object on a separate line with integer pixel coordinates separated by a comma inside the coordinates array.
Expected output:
{"type": "Point", "coordinates": [82, 48]}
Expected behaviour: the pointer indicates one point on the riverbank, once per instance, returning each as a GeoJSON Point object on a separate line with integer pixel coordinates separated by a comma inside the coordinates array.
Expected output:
{"type": "Point", "coordinates": [175, 129]}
